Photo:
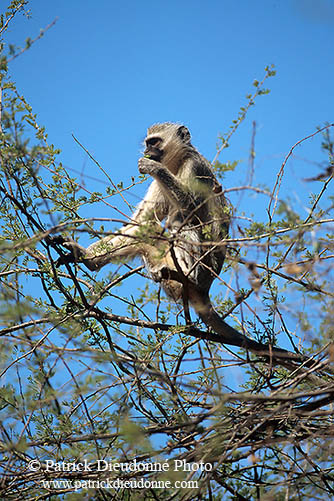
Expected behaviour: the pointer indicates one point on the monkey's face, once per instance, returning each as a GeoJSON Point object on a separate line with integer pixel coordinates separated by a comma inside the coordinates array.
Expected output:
{"type": "Point", "coordinates": [154, 149]}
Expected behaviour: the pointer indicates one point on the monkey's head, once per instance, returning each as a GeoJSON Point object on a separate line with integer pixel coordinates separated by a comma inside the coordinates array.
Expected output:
{"type": "Point", "coordinates": [167, 143]}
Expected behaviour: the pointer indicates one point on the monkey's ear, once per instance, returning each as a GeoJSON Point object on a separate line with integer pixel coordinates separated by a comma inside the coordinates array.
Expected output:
{"type": "Point", "coordinates": [184, 134]}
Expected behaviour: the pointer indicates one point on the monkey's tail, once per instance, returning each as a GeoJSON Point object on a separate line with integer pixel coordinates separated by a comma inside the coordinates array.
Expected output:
{"type": "Point", "coordinates": [225, 334]}
{"type": "Point", "coordinates": [230, 336]}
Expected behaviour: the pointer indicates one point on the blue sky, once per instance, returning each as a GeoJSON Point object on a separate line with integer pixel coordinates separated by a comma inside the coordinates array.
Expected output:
{"type": "Point", "coordinates": [108, 70]}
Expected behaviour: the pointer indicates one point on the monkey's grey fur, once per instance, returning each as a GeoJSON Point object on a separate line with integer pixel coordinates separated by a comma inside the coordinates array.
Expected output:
{"type": "Point", "coordinates": [187, 197]}
{"type": "Point", "coordinates": [188, 252]}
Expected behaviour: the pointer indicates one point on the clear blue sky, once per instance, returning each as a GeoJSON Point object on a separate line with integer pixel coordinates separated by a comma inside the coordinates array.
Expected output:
{"type": "Point", "coordinates": [109, 69]}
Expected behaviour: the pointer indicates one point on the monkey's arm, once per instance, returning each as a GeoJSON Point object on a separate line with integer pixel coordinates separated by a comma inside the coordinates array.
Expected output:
{"type": "Point", "coordinates": [174, 190]}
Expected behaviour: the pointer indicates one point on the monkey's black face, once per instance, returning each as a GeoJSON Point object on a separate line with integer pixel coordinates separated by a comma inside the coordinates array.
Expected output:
{"type": "Point", "coordinates": [153, 148]}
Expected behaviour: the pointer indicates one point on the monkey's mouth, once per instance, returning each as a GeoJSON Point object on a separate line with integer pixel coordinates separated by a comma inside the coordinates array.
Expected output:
{"type": "Point", "coordinates": [153, 154]}
{"type": "Point", "coordinates": [157, 158]}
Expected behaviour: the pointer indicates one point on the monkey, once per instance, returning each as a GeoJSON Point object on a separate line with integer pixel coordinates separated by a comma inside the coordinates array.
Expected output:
{"type": "Point", "coordinates": [179, 230]}
{"type": "Point", "coordinates": [186, 195]}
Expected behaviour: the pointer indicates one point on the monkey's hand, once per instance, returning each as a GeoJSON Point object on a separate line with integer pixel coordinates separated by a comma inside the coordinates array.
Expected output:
{"type": "Point", "coordinates": [66, 259]}
{"type": "Point", "coordinates": [148, 166]}
{"type": "Point", "coordinates": [76, 252]}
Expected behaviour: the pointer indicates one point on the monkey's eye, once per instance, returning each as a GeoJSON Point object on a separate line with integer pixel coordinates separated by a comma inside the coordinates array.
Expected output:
{"type": "Point", "coordinates": [153, 141]}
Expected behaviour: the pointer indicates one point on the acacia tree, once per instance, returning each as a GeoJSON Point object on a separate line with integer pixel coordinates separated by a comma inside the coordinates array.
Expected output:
{"type": "Point", "coordinates": [92, 378]}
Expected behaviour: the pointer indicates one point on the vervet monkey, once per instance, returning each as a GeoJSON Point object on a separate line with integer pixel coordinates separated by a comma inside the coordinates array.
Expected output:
{"type": "Point", "coordinates": [187, 252]}
{"type": "Point", "coordinates": [187, 197]}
